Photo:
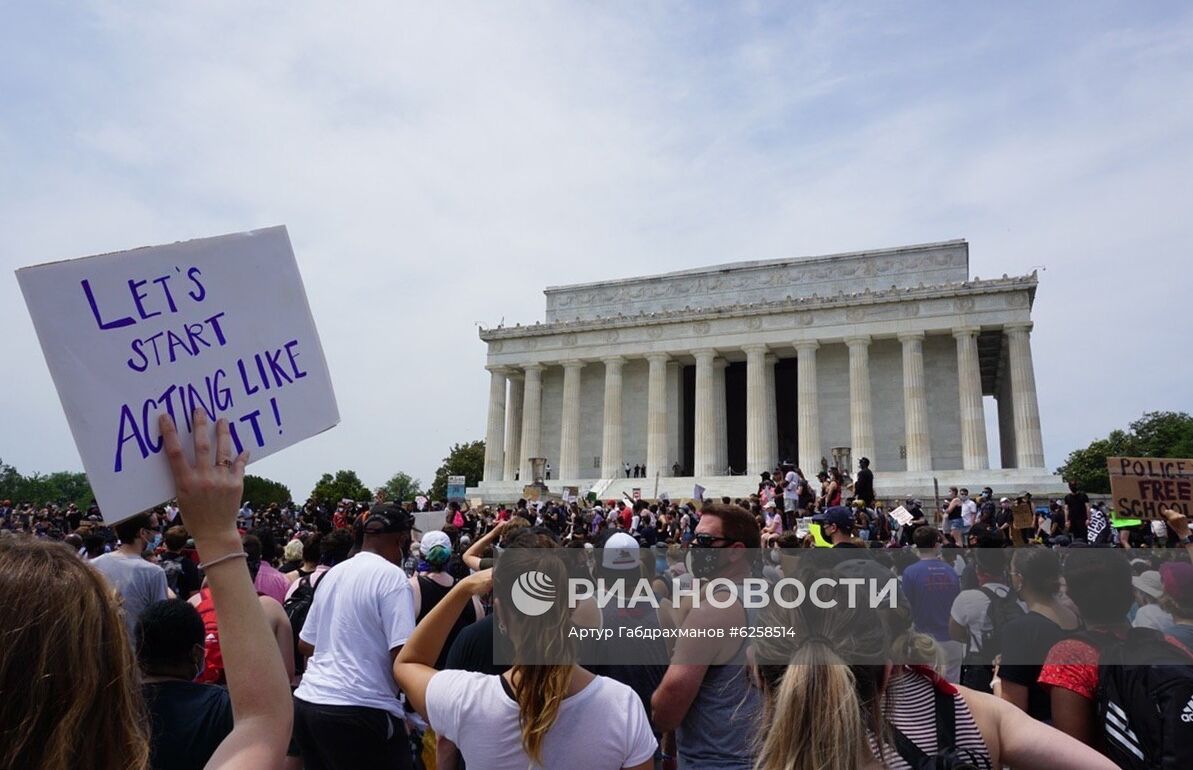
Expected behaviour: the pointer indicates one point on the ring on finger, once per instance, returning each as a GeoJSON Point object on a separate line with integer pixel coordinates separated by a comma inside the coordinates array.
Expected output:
{"type": "Point", "coordinates": [224, 463]}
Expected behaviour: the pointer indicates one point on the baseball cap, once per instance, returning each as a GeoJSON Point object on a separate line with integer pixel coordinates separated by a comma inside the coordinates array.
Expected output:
{"type": "Point", "coordinates": [387, 519]}
{"type": "Point", "coordinates": [838, 515]}
{"type": "Point", "coordinates": [436, 546]}
{"type": "Point", "coordinates": [1177, 579]}
{"type": "Point", "coordinates": [620, 552]}
{"type": "Point", "coordinates": [1150, 583]}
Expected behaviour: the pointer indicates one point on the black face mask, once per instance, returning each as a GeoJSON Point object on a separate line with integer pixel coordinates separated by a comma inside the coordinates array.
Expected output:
{"type": "Point", "coordinates": [705, 563]}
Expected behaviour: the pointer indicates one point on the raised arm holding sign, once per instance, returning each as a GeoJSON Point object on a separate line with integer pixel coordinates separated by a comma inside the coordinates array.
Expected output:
{"type": "Point", "coordinates": [218, 325]}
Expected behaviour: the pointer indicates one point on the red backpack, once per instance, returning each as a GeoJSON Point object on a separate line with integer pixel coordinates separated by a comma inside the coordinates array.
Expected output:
{"type": "Point", "coordinates": [213, 658]}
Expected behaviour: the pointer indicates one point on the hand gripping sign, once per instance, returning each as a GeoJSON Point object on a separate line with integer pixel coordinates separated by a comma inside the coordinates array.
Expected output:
{"type": "Point", "coordinates": [218, 324]}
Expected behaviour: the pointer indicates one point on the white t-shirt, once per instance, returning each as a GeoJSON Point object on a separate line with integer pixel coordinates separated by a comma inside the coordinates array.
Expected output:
{"type": "Point", "coordinates": [1152, 616]}
{"type": "Point", "coordinates": [362, 610]}
{"type": "Point", "coordinates": [969, 512]}
{"type": "Point", "coordinates": [602, 727]}
{"type": "Point", "coordinates": [791, 491]}
{"type": "Point", "coordinates": [971, 609]}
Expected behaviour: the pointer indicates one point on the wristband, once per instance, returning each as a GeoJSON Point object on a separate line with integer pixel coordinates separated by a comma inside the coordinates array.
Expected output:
{"type": "Point", "coordinates": [226, 557]}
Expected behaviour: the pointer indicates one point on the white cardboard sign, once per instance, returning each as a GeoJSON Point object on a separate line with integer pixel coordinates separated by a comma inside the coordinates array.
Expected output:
{"type": "Point", "coordinates": [219, 324]}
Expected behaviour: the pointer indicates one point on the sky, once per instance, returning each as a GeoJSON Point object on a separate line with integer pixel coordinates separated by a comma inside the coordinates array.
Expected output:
{"type": "Point", "coordinates": [438, 165]}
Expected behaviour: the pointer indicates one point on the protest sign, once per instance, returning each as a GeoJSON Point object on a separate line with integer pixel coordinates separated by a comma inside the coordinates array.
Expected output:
{"type": "Point", "coordinates": [1142, 487]}
{"type": "Point", "coordinates": [698, 492]}
{"type": "Point", "coordinates": [636, 492]}
{"type": "Point", "coordinates": [455, 489]}
{"type": "Point", "coordinates": [216, 324]}
{"type": "Point", "coordinates": [902, 516]}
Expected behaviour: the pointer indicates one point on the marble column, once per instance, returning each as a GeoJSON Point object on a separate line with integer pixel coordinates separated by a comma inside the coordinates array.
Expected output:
{"type": "Point", "coordinates": [611, 449]}
{"type": "Point", "coordinates": [495, 426]}
{"type": "Point", "coordinates": [772, 413]}
{"type": "Point", "coordinates": [1029, 443]}
{"type": "Point", "coordinates": [513, 430]}
{"type": "Point", "coordinates": [758, 456]}
{"type": "Point", "coordinates": [532, 412]}
{"type": "Point", "coordinates": [807, 409]}
{"type": "Point", "coordinates": [861, 410]}
{"type": "Point", "coordinates": [657, 450]}
{"type": "Point", "coordinates": [675, 444]}
{"type": "Point", "coordinates": [975, 454]}
{"type": "Point", "coordinates": [705, 454]}
{"type": "Point", "coordinates": [722, 430]}
{"type": "Point", "coordinates": [569, 421]}
{"type": "Point", "coordinates": [915, 403]}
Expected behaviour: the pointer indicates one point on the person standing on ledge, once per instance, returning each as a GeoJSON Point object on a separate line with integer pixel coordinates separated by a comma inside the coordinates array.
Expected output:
{"type": "Point", "coordinates": [863, 485]}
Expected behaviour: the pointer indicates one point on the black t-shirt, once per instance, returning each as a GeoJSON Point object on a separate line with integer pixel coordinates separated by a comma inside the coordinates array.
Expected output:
{"type": "Point", "coordinates": [188, 721]}
{"type": "Point", "coordinates": [189, 581]}
{"type": "Point", "coordinates": [1025, 642]}
{"type": "Point", "coordinates": [863, 485]}
{"type": "Point", "coordinates": [1078, 505]}
{"type": "Point", "coordinates": [474, 649]}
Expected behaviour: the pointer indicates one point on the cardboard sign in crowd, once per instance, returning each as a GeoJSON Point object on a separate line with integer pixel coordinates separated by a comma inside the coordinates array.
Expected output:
{"type": "Point", "coordinates": [1142, 487]}
{"type": "Point", "coordinates": [219, 324]}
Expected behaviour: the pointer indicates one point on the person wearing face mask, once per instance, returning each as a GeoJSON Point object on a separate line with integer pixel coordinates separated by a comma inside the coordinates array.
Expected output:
{"type": "Point", "coordinates": [705, 695]}
{"type": "Point", "coordinates": [836, 526]}
{"type": "Point", "coordinates": [188, 720]}
{"type": "Point", "coordinates": [139, 583]}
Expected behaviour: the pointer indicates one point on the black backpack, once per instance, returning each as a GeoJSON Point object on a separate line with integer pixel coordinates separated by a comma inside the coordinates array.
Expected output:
{"type": "Point", "coordinates": [297, 607]}
{"type": "Point", "coordinates": [947, 756]}
{"type": "Point", "coordinates": [1145, 700]}
{"type": "Point", "coordinates": [978, 668]}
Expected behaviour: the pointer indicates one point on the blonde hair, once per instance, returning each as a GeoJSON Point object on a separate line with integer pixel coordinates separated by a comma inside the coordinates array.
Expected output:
{"type": "Point", "coordinates": [806, 681]}
{"type": "Point", "coordinates": [293, 550]}
{"type": "Point", "coordinates": [71, 698]}
{"type": "Point", "coordinates": [538, 688]}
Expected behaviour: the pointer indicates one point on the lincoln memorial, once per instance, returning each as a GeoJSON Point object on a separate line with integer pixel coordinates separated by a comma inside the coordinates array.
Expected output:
{"type": "Point", "coordinates": [711, 376]}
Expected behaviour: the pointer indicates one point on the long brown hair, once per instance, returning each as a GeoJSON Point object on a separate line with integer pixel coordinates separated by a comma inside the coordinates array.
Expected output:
{"type": "Point", "coordinates": [539, 687]}
{"type": "Point", "coordinates": [69, 698]}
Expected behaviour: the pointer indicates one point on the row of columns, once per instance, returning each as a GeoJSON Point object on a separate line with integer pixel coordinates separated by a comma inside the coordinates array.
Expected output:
{"type": "Point", "coordinates": [507, 454]}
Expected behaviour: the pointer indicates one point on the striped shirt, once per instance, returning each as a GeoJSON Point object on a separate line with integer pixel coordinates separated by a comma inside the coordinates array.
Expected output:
{"type": "Point", "coordinates": [911, 708]}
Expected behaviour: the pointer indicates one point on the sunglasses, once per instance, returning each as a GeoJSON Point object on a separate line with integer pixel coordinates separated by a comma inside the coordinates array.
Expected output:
{"type": "Point", "coordinates": [704, 540]}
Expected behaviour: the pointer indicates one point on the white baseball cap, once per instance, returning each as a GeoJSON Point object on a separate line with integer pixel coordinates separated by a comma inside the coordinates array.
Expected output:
{"type": "Point", "coordinates": [620, 552]}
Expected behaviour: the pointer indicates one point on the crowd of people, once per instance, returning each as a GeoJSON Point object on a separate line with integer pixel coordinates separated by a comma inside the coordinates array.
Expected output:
{"type": "Point", "coordinates": [209, 634]}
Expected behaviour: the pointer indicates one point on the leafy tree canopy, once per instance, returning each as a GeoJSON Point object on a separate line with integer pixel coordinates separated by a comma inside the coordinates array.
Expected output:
{"type": "Point", "coordinates": [1156, 434]}
{"type": "Point", "coordinates": [467, 460]}
{"type": "Point", "coordinates": [60, 487]}
{"type": "Point", "coordinates": [402, 488]}
{"type": "Point", "coordinates": [263, 492]}
{"type": "Point", "coordinates": [344, 485]}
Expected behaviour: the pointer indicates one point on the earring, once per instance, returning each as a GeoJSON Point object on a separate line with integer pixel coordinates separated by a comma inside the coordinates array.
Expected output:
{"type": "Point", "coordinates": [501, 627]}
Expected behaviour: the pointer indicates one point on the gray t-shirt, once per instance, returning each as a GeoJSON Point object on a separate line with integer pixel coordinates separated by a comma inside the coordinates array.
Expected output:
{"type": "Point", "coordinates": [138, 583]}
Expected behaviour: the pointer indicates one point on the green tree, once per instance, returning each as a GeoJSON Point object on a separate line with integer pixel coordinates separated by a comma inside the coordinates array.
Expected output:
{"type": "Point", "coordinates": [401, 488]}
{"type": "Point", "coordinates": [60, 487]}
{"type": "Point", "coordinates": [345, 485]}
{"type": "Point", "coordinates": [467, 460]}
{"type": "Point", "coordinates": [1155, 434]}
{"type": "Point", "coordinates": [262, 491]}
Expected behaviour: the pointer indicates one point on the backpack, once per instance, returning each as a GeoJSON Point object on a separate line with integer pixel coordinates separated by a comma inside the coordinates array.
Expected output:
{"type": "Point", "coordinates": [213, 657]}
{"type": "Point", "coordinates": [173, 570]}
{"type": "Point", "coordinates": [978, 668]}
{"type": "Point", "coordinates": [297, 607]}
{"type": "Point", "coordinates": [947, 756]}
{"type": "Point", "coordinates": [1145, 700]}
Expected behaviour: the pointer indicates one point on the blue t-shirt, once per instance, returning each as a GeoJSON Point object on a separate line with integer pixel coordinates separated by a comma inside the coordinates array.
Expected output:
{"type": "Point", "coordinates": [931, 586]}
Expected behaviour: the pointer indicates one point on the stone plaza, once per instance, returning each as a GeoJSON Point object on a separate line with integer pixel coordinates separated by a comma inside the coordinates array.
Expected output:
{"type": "Point", "coordinates": [711, 376]}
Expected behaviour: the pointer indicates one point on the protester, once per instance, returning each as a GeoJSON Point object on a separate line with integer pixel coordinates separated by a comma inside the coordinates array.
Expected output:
{"type": "Point", "coordinates": [347, 712]}
{"type": "Point", "coordinates": [836, 526]}
{"type": "Point", "coordinates": [71, 696]}
{"type": "Point", "coordinates": [931, 587]}
{"type": "Point", "coordinates": [432, 584]}
{"type": "Point", "coordinates": [188, 720]}
{"type": "Point", "coordinates": [182, 575]}
{"type": "Point", "coordinates": [834, 700]}
{"type": "Point", "coordinates": [1149, 591]}
{"type": "Point", "coordinates": [138, 583]}
{"type": "Point", "coordinates": [536, 714]}
{"type": "Point", "coordinates": [705, 694]}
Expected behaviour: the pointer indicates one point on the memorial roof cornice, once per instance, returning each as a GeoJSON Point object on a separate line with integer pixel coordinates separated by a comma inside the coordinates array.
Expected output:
{"type": "Point", "coordinates": [841, 299]}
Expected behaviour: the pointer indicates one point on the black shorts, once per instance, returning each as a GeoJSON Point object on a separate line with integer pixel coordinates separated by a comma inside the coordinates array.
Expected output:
{"type": "Point", "coordinates": [347, 737]}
